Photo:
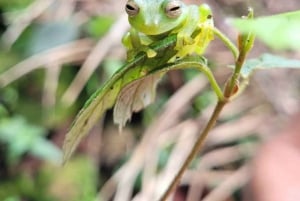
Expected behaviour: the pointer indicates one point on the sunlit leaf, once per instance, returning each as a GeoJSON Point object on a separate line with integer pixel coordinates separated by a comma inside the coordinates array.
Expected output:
{"type": "Point", "coordinates": [106, 96]}
{"type": "Point", "coordinates": [268, 61]}
{"type": "Point", "coordinates": [278, 31]}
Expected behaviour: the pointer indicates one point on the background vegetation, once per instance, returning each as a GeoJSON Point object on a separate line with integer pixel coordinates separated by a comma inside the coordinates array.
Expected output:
{"type": "Point", "coordinates": [55, 54]}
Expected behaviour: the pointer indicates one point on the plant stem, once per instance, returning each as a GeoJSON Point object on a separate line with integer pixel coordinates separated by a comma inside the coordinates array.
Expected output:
{"type": "Point", "coordinates": [227, 42]}
{"type": "Point", "coordinates": [212, 80]}
{"type": "Point", "coordinates": [236, 74]}
{"type": "Point", "coordinates": [196, 148]}
{"type": "Point", "coordinates": [245, 44]}
{"type": "Point", "coordinates": [201, 67]}
{"type": "Point", "coordinates": [231, 89]}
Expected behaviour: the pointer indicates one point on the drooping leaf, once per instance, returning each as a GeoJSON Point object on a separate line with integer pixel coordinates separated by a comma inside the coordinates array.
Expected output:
{"type": "Point", "coordinates": [134, 97]}
{"type": "Point", "coordinates": [268, 61]}
{"type": "Point", "coordinates": [131, 75]}
{"type": "Point", "coordinates": [278, 31]}
{"type": "Point", "coordinates": [141, 92]}
{"type": "Point", "coordinates": [105, 97]}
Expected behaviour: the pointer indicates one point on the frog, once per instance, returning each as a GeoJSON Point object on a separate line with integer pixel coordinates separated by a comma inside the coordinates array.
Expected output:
{"type": "Point", "coordinates": [133, 86]}
{"type": "Point", "coordinates": [153, 20]}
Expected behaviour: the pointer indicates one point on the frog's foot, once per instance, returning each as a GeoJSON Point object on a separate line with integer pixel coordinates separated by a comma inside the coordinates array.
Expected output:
{"type": "Point", "coordinates": [183, 40]}
{"type": "Point", "coordinates": [185, 45]}
{"type": "Point", "coordinates": [131, 54]}
{"type": "Point", "coordinates": [150, 52]}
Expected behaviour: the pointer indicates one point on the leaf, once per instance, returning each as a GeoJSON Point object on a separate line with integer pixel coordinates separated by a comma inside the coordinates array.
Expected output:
{"type": "Point", "coordinates": [278, 31]}
{"type": "Point", "coordinates": [22, 137]}
{"type": "Point", "coordinates": [141, 92]}
{"type": "Point", "coordinates": [134, 97]}
{"type": "Point", "coordinates": [105, 97]}
{"type": "Point", "coordinates": [268, 61]}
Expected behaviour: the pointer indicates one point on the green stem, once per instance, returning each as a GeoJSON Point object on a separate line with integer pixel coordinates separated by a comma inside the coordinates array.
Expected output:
{"type": "Point", "coordinates": [236, 74]}
{"type": "Point", "coordinates": [245, 45]}
{"type": "Point", "coordinates": [227, 42]}
{"type": "Point", "coordinates": [201, 67]}
{"type": "Point", "coordinates": [239, 56]}
{"type": "Point", "coordinates": [196, 63]}
{"type": "Point", "coordinates": [195, 150]}
{"type": "Point", "coordinates": [215, 86]}
{"type": "Point", "coordinates": [242, 88]}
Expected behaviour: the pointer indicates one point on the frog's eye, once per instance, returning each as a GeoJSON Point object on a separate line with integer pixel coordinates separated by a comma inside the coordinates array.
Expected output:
{"type": "Point", "coordinates": [132, 9]}
{"type": "Point", "coordinates": [173, 9]}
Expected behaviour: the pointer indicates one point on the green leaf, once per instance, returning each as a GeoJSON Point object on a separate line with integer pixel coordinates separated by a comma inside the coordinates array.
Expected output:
{"type": "Point", "coordinates": [140, 93]}
{"type": "Point", "coordinates": [14, 5]}
{"type": "Point", "coordinates": [139, 68]}
{"type": "Point", "coordinates": [278, 31]}
{"type": "Point", "coordinates": [105, 97]}
{"type": "Point", "coordinates": [268, 61]}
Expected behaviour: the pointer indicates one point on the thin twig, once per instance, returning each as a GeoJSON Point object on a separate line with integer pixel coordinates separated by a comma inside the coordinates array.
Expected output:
{"type": "Point", "coordinates": [72, 52]}
{"type": "Point", "coordinates": [181, 150]}
{"type": "Point", "coordinates": [227, 42]}
{"type": "Point", "coordinates": [23, 20]}
{"type": "Point", "coordinates": [232, 131]}
{"type": "Point", "coordinates": [238, 179]}
{"type": "Point", "coordinates": [196, 148]}
{"type": "Point", "coordinates": [175, 107]}
{"type": "Point", "coordinates": [50, 86]}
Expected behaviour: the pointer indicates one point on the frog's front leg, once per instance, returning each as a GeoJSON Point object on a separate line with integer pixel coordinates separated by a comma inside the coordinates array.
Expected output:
{"type": "Point", "coordinates": [192, 31]}
{"type": "Point", "coordinates": [186, 30]}
{"type": "Point", "coordinates": [136, 43]}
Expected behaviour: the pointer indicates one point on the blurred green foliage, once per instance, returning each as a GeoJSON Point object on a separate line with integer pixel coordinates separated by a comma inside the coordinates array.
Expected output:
{"type": "Point", "coordinates": [92, 26]}
{"type": "Point", "coordinates": [27, 126]}
{"type": "Point", "coordinates": [76, 181]}
{"type": "Point", "coordinates": [277, 31]}
{"type": "Point", "coordinates": [13, 5]}
{"type": "Point", "coordinates": [22, 137]}
{"type": "Point", "coordinates": [268, 61]}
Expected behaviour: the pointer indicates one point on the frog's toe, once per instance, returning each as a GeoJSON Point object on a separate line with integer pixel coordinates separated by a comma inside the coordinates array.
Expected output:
{"type": "Point", "coordinates": [151, 53]}
{"type": "Point", "coordinates": [183, 40]}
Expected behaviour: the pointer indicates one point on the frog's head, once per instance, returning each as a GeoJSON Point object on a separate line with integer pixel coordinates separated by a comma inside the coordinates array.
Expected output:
{"type": "Point", "coordinates": [154, 17]}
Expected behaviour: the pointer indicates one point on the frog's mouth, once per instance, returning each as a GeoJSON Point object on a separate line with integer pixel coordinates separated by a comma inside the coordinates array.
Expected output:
{"type": "Point", "coordinates": [152, 31]}
{"type": "Point", "coordinates": [154, 28]}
